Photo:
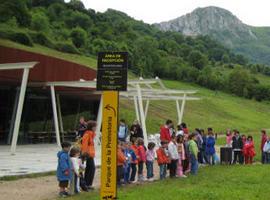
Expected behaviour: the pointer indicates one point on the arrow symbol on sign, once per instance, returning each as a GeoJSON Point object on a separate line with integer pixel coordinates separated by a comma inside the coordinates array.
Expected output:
{"type": "Point", "coordinates": [109, 107]}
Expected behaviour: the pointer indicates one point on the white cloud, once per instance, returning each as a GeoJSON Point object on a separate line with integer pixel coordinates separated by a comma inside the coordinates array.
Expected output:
{"type": "Point", "coordinates": [252, 12]}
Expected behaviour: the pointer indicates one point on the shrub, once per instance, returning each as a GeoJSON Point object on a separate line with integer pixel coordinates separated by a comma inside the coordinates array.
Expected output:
{"type": "Point", "coordinates": [42, 39]}
{"type": "Point", "coordinates": [21, 37]}
{"type": "Point", "coordinates": [66, 47]}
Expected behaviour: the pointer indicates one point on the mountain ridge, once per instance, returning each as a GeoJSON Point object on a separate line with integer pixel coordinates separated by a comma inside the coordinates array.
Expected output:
{"type": "Point", "coordinates": [226, 28]}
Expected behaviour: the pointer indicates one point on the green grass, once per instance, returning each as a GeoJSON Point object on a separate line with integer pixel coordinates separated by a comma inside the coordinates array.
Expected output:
{"type": "Point", "coordinates": [212, 183]}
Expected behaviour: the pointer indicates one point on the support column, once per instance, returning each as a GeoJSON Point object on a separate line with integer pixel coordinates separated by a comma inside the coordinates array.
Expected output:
{"type": "Point", "coordinates": [136, 108]}
{"type": "Point", "coordinates": [60, 116]}
{"type": "Point", "coordinates": [182, 108]}
{"type": "Point", "coordinates": [142, 114]}
{"type": "Point", "coordinates": [19, 110]}
{"type": "Point", "coordinates": [14, 111]}
{"type": "Point", "coordinates": [55, 116]}
{"type": "Point", "coordinates": [178, 112]}
{"type": "Point", "coordinates": [146, 108]}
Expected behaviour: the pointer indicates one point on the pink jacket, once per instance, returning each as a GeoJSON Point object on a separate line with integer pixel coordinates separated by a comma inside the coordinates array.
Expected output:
{"type": "Point", "coordinates": [150, 155]}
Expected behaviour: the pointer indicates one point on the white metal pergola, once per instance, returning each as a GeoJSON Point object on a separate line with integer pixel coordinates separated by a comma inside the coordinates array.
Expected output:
{"type": "Point", "coordinates": [138, 91]}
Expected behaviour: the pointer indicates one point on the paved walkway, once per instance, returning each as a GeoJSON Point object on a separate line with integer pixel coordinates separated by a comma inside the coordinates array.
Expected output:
{"type": "Point", "coordinates": [29, 159]}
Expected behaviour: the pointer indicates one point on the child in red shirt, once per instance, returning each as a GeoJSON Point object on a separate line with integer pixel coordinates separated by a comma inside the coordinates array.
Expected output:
{"type": "Point", "coordinates": [134, 162]}
{"type": "Point", "coordinates": [121, 160]}
{"type": "Point", "coordinates": [249, 150]}
{"type": "Point", "coordinates": [163, 159]}
{"type": "Point", "coordinates": [141, 158]}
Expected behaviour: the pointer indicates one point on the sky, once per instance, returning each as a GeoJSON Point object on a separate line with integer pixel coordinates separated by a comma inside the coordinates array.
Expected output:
{"type": "Point", "coordinates": [251, 12]}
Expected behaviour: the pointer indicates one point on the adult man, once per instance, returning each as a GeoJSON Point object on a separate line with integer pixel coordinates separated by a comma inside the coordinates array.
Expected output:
{"type": "Point", "coordinates": [165, 131]}
{"type": "Point", "coordinates": [237, 146]}
{"type": "Point", "coordinates": [263, 140]}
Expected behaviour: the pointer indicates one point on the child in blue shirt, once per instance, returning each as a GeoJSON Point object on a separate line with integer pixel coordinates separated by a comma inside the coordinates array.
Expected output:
{"type": "Point", "coordinates": [131, 157]}
{"type": "Point", "coordinates": [64, 173]}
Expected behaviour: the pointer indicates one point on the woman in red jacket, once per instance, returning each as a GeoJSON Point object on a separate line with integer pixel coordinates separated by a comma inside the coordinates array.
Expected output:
{"type": "Point", "coordinates": [88, 149]}
{"type": "Point", "coordinates": [249, 150]}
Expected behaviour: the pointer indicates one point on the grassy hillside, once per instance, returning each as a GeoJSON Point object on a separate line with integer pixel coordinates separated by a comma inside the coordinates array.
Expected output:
{"type": "Point", "coordinates": [212, 183]}
{"type": "Point", "coordinates": [80, 59]}
{"type": "Point", "coordinates": [216, 109]}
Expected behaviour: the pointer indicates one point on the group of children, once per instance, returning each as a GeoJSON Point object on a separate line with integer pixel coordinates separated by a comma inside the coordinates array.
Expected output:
{"type": "Point", "coordinates": [70, 170]}
{"type": "Point", "coordinates": [76, 167]}
{"type": "Point", "coordinates": [179, 152]}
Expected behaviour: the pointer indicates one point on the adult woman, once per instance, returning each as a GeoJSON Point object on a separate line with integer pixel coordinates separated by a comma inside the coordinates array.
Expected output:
{"type": "Point", "coordinates": [88, 149]}
{"type": "Point", "coordinates": [135, 131]}
{"type": "Point", "coordinates": [210, 147]}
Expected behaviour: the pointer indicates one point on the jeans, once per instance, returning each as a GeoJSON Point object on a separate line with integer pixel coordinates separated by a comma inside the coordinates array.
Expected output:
{"type": "Point", "coordinates": [149, 167]}
{"type": "Point", "coordinates": [211, 159]}
{"type": "Point", "coordinates": [140, 168]}
{"type": "Point", "coordinates": [200, 156]}
{"type": "Point", "coordinates": [127, 173]}
{"type": "Point", "coordinates": [89, 171]}
{"type": "Point", "coordinates": [194, 164]}
{"type": "Point", "coordinates": [120, 172]}
{"type": "Point", "coordinates": [133, 171]}
{"type": "Point", "coordinates": [267, 158]}
{"type": "Point", "coordinates": [239, 155]}
{"type": "Point", "coordinates": [264, 157]}
{"type": "Point", "coordinates": [204, 157]}
{"type": "Point", "coordinates": [173, 167]}
{"type": "Point", "coordinates": [162, 171]}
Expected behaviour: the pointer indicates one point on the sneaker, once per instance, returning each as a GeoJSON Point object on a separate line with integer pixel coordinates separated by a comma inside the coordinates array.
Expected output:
{"type": "Point", "coordinates": [90, 187]}
{"type": "Point", "coordinates": [183, 176]}
{"type": "Point", "coordinates": [132, 182]}
{"type": "Point", "coordinates": [62, 195]}
{"type": "Point", "coordinates": [67, 194]}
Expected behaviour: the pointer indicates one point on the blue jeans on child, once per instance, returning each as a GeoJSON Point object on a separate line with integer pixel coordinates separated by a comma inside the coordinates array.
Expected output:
{"type": "Point", "coordinates": [211, 159]}
{"type": "Point", "coordinates": [194, 164]}
{"type": "Point", "coordinates": [162, 171]}
{"type": "Point", "coordinates": [149, 167]}
{"type": "Point", "coordinates": [127, 173]}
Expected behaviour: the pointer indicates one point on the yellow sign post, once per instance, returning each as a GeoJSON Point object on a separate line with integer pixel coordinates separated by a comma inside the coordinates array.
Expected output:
{"type": "Point", "coordinates": [109, 145]}
{"type": "Point", "coordinates": [111, 78]}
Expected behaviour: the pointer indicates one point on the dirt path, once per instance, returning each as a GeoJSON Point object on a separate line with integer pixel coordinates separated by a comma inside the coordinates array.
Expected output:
{"type": "Point", "coordinates": [41, 188]}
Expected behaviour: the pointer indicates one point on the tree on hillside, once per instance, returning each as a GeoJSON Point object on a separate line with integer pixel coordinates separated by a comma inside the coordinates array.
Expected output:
{"type": "Point", "coordinates": [77, 4]}
{"type": "Point", "coordinates": [17, 9]}
{"type": "Point", "coordinates": [78, 37]}
{"type": "Point", "coordinates": [239, 81]}
{"type": "Point", "coordinates": [40, 22]}
{"type": "Point", "coordinates": [197, 59]}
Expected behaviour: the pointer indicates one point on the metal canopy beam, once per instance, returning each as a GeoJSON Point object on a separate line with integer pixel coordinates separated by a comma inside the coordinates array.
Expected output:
{"type": "Point", "coordinates": [22, 65]}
